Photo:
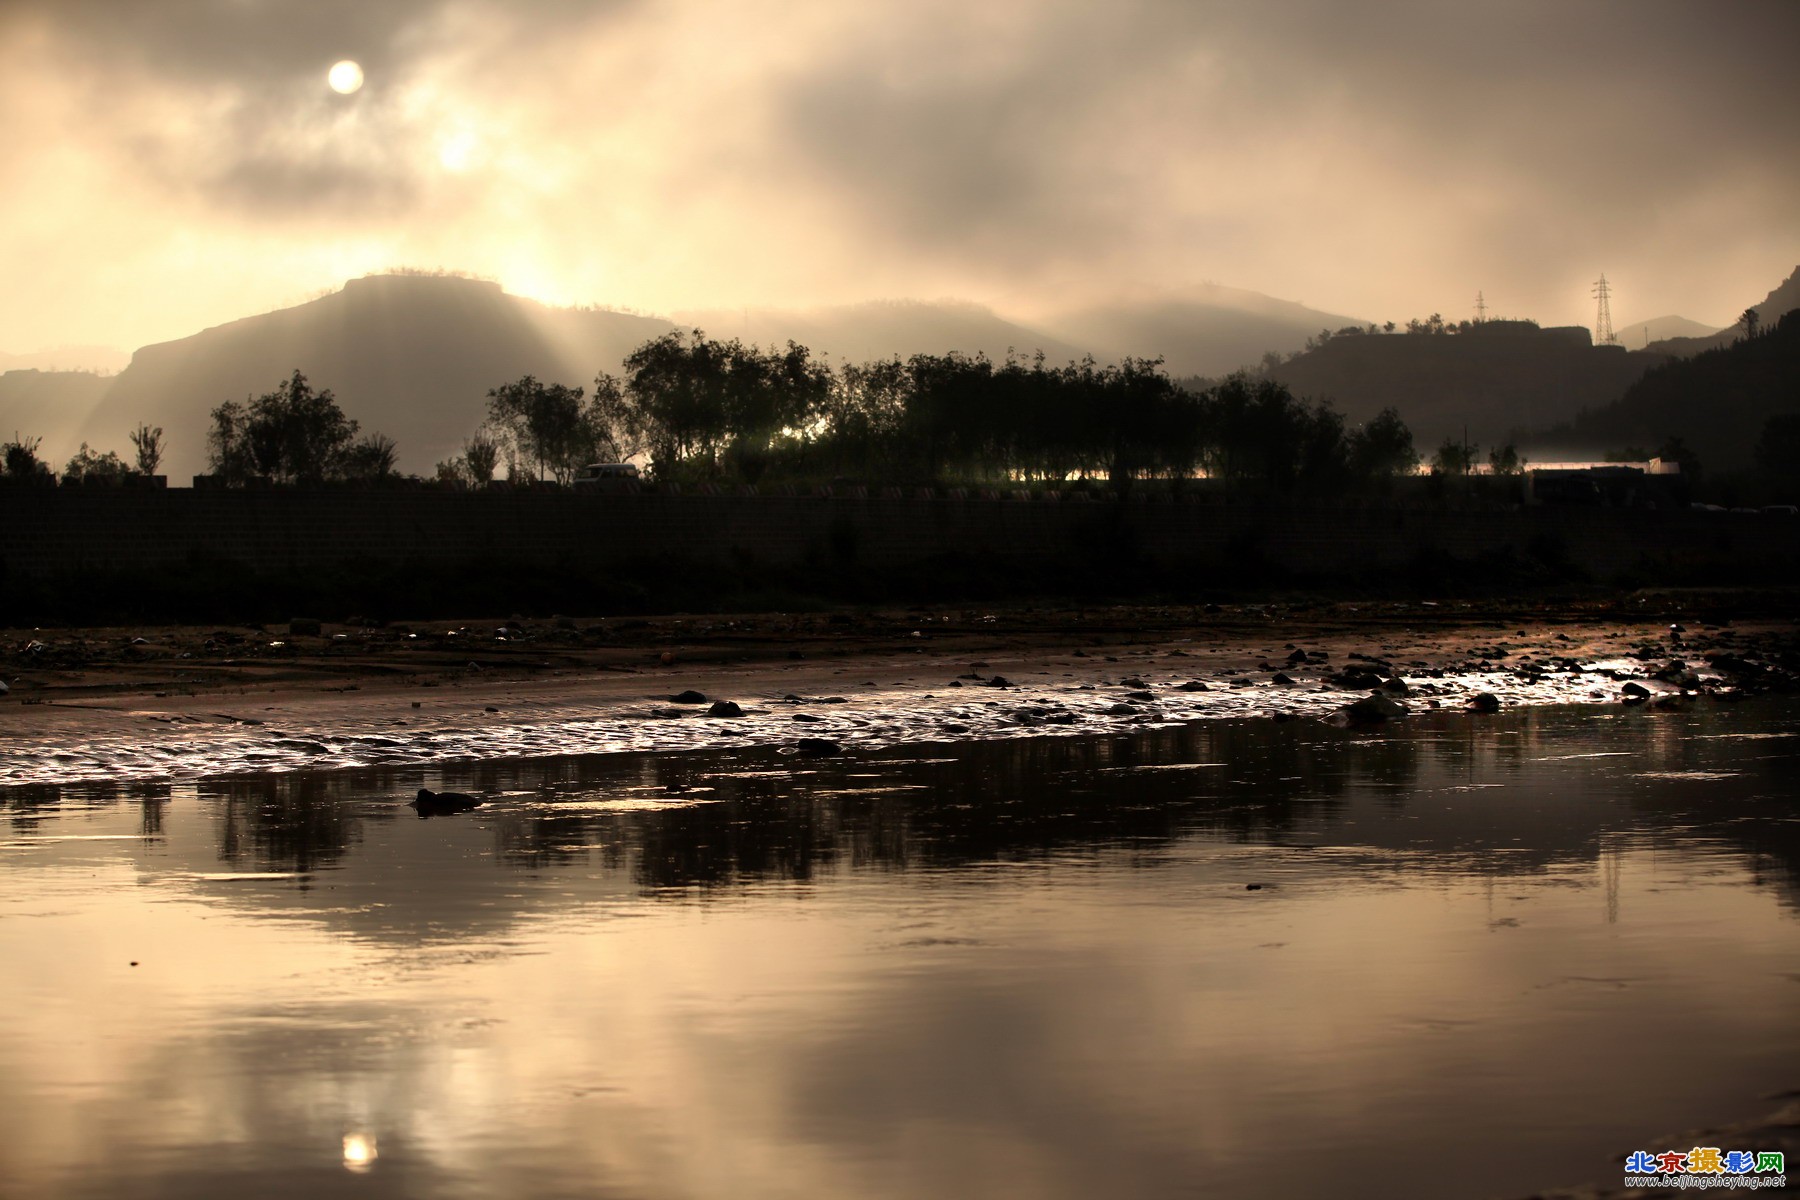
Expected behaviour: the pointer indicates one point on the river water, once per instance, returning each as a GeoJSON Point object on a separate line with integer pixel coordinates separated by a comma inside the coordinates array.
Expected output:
{"type": "Point", "coordinates": [1465, 956]}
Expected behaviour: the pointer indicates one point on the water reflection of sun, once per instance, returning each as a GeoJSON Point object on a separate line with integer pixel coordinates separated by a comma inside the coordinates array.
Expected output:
{"type": "Point", "coordinates": [359, 1151]}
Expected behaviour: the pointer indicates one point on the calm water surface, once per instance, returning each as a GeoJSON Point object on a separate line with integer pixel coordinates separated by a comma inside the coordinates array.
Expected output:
{"type": "Point", "coordinates": [1486, 955]}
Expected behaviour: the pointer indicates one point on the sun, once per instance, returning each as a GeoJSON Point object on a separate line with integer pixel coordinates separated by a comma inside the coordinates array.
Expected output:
{"type": "Point", "coordinates": [344, 77]}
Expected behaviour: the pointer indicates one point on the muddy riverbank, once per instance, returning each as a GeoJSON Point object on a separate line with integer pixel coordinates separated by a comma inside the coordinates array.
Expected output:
{"type": "Point", "coordinates": [184, 702]}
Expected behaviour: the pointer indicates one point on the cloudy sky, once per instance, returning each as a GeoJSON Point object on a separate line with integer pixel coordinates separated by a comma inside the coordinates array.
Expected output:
{"type": "Point", "coordinates": [171, 164]}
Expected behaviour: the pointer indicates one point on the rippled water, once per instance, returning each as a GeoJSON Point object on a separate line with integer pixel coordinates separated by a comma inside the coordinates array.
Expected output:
{"type": "Point", "coordinates": [1481, 955]}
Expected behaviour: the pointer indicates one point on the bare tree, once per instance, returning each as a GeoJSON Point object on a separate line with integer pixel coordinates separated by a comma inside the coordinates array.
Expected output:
{"type": "Point", "coordinates": [20, 461]}
{"type": "Point", "coordinates": [149, 445]}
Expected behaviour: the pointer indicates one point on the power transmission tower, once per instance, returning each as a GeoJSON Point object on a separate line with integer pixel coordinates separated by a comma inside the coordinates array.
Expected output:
{"type": "Point", "coordinates": [1603, 330]}
{"type": "Point", "coordinates": [1480, 308]}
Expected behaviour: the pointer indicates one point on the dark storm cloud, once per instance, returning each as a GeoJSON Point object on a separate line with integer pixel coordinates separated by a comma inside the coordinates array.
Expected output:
{"type": "Point", "coordinates": [964, 153]}
{"type": "Point", "coordinates": [1608, 107]}
{"type": "Point", "coordinates": [1565, 91]}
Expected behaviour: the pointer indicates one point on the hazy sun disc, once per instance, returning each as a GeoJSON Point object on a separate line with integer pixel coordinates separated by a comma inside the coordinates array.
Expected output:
{"type": "Point", "coordinates": [359, 1152]}
{"type": "Point", "coordinates": [345, 77]}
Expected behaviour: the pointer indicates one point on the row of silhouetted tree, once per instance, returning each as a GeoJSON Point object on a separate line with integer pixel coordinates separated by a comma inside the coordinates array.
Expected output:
{"type": "Point", "coordinates": [694, 409]}
{"type": "Point", "coordinates": [19, 462]}
{"type": "Point", "coordinates": [698, 409]}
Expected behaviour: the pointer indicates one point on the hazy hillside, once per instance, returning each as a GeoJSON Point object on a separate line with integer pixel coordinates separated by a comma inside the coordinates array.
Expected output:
{"type": "Point", "coordinates": [54, 406]}
{"type": "Point", "coordinates": [1212, 331]}
{"type": "Point", "coordinates": [411, 356]}
{"type": "Point", "coordinates": [1716, 402]}
{"type": "Point", "coordinates": [1502, 377]}
{"type": "Point", "coordinates": [67, 359]}
{"type": "Point", "coordinates": [883, 329]}
{"type": "Point", "coordinates": [1777, 304]}
{"type": "Point", "coordinates": [1637, 335]}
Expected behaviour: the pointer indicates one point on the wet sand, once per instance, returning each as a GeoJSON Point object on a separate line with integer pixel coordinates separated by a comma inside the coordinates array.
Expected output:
{"type": "Point", "coordinates": [173, 703]}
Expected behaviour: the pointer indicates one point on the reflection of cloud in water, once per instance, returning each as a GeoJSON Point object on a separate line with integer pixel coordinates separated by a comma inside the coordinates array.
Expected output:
{"type": "Point", "coordinates": [1124, 1044]}
{"type": "Point", "coordinates": [725, 819]}
{"type": "Point", "coordinates": [1027, 971]}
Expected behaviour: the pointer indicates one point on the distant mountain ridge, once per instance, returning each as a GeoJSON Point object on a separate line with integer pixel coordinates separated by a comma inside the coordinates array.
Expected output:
{"type": "Point", "coordinates": [1639, 335]}
{"type": "Point", "coordinates": [413, 356]}
{"type": "Point", "coordinates": [881, 329]}
{"type": "Point", "coordinates": [67, 359]}
{"type": "Point", "coordinates": [1488, 384]}
{"type": "Point", "coordinates": [52, 406]}
{"type": "Point", "coordinates": [410, 356]}
{"type": "Point", "coordinates": [1784, 299]}
{"type": "Point", "coordinates": [1209, 331]}
{"type": "Point", "coordinates": [1717, 401]}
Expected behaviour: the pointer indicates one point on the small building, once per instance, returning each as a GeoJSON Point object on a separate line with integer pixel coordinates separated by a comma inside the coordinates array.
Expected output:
{"type": "Point", "coordinates": [1652, 484]}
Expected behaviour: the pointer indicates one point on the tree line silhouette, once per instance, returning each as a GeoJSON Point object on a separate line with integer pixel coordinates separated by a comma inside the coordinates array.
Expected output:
{"type": "Point", "coordinates": [700, 410]}
{"type": "Point", "coordinates": [19, 462]}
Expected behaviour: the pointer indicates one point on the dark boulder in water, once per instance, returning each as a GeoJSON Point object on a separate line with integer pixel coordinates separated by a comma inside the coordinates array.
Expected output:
{"type": "Point", "coordinates": [1370, 710]}
{"type": "Point", "coordinates": [819, 747]}
{"type": "Point", "coordinates": [438, 804]}
{"type": "Point", "coordinates": [1355, 679]}
{"type": "Point", "coordinates": [689, 697]}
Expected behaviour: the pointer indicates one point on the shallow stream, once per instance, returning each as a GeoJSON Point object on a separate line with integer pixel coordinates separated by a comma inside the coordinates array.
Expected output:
{"type": "Point", "coordinates": [1460, 956]}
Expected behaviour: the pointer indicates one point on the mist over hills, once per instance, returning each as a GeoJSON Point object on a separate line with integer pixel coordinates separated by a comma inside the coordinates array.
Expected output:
{"type": "Point", "coordinates": [1783, 299]}
{"type": "Point", "coordinates": [411, 356]}
{"type": "Point", "coordinates": [1210, 331]}
{"type": "Point", "coordinates": [1716, 401]}
{"type": "Point", "coordinates": [1551, 390]}
{"type": "Point", "coordinates": [1493, 381]}
{"type": "Point", "coordinates": [1640, 335]}
{"type": "Point", "coordinates": [52, 405]}
{"type": "Point", "coordinates": [882, 329]}
{"type": "Point", "coordinates": [67, 359]}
